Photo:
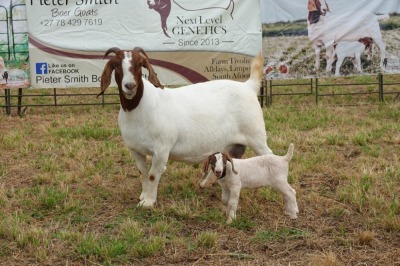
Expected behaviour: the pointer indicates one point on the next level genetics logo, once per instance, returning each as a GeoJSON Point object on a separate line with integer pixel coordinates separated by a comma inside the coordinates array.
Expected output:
{"type": "Point", "coordinates": [42, 68]}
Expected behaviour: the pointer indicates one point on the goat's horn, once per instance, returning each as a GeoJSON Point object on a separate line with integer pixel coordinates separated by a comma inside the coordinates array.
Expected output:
{"type": "Point", "coordinates": [140, 50]}
{"type": "Point", "coordinates": [112, 50]}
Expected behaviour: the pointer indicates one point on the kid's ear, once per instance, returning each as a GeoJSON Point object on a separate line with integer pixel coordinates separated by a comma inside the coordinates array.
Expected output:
{"type": "Point", "coordinates": [205, 167]}
{"type": "Point", "coordinates": [231, 161]}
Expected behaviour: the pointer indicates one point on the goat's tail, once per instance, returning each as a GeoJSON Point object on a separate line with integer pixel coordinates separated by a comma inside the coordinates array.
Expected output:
{"type": "Point", "coordinates": [383, 17]}
{"type": "Point", "coordinates": [289, 154]}
{"type": "Point", "coordinates": [256, 73]}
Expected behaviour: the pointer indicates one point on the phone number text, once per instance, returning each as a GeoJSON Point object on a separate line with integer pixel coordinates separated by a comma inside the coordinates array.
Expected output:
{"type": "Point", "coordinates": [71, 22]}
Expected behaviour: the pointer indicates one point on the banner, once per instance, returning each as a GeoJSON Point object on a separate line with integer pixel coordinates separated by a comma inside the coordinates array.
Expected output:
{"type": "Point", "coordinates": [187, 41]}
{"type": "Point", "coordinates": [323, 38]}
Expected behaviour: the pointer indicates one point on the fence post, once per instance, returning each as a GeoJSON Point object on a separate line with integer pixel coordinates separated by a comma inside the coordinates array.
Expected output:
{"type": "Point", "coordinates": [19, 100]}
{"type": "Point", "coordinates": [262, 94]}
{"type": "Point", "coordinates": [311, 85]}
{"type": "Point", "coordinates": [8, 101]}
{"type": "Point", "coordinates": [380, 78]}
{"type": "Point", "coordinates": [316, 91]}
{"type": "Point", "coordinates": [270, 93]}
{"type": "Point", "coordinates": [55, 96]}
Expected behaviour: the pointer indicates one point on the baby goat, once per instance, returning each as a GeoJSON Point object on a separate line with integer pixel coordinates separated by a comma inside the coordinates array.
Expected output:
{"type": "Point", "coordinates": [353, 50]}
{"type": "Point", "coordinates": [259, 171]}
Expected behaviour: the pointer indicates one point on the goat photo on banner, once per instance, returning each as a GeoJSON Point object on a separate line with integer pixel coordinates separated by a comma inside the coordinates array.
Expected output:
{"type": "Point", "coordinates": [329, 38]}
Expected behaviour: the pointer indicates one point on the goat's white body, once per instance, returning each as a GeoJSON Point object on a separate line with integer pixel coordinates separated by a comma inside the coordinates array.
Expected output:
{"type": "Point", "coordinates": [335, 27]}
{"type": "Point", "coordinates": [184, 120]}
{"type": "Point", "coordinates": [266, 170]}
{"type": "Point", "coordinates": [345, 49]}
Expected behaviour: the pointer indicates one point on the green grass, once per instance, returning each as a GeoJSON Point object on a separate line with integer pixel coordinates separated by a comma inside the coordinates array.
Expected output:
{"type": "Point", "coordinates": [281, 234]}
{"type": "Point", "coordinates": [69, 192]}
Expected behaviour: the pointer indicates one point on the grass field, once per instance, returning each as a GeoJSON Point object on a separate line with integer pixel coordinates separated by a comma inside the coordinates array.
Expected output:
{"type": "Point", "coordinates": [69, 190]}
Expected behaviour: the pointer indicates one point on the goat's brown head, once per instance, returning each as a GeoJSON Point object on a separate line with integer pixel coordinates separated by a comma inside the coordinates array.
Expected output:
{"type": "Point", "coordinates": [218, 162]}
{"type": "Point", "coordinates": [367, 41]}
{"type": "Point", "coordinates": [127, 67]}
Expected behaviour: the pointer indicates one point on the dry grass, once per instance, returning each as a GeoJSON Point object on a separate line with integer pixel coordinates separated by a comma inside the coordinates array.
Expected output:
{"type": "Point", "coordinates": [69, 190]}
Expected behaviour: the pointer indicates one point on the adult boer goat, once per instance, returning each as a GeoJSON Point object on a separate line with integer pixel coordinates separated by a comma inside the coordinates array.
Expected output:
{"type": "Point", "coordinates": [182, 124]}
{"type": "Point", "coordinates": [326, 28]}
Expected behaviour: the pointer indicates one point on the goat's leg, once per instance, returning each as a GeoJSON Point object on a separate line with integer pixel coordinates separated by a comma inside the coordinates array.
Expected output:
{"type": "Point", "coordinates": [329, 53]}
{"type": "Point", "coordinates": [291, 207]}
{"type": "Point", "coordinates": [232, 205]}
{"type": "Point", "coordinates": [141, 165]}
{"type": "Point", "coordinates": [330, 62]}
{"type": "Point", "coordinates": [338, 65]}
{"type": "Point", "coordinates": [329, 50]}
{"type": "Point", "coordinates": [357, 62]}
{"type": "Point", "coordinates": [258, 143]}
{"type": "Point", "coordinates": [331, 59]}
{"type": "Point", "coordinates": [317, 50]}
{"type": "Point", "coordinates": [289, 195]}
{"type": "Point", "coordinates": [225, 196]}
{"type": "Point", "coordinates": [261, 149]}
{"type": "Point", "coordinates": [369, 52]}
{"type": "Point", "coordinates": [209, 180]}
{"type": "Point", "coordinates": [382, 49]}
{"type": "Point", "coordinates": [158, 166]}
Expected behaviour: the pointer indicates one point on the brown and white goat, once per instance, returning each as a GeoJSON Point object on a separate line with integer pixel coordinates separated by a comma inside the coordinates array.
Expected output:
{"type": "Point", "coordinates": [235, 174]}
{"type": "Point", "coordinates": [182, 124]}
{"type": "Point", "coordinates": [352, 50]}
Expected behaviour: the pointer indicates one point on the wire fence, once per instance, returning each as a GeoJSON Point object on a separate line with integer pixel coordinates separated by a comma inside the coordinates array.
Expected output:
{"type": "Point", "coordinates": [377, 87]}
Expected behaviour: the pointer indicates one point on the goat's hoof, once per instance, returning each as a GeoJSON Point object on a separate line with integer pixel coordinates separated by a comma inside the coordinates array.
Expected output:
{"type": "Point", "coordinates": [202, 184]}
{"type": "Point", "coordinates": [147, 204]}
{"type": "Point", "coordinates": [230, 220]}
{"type": "Point", "coordinates": [291, 215]}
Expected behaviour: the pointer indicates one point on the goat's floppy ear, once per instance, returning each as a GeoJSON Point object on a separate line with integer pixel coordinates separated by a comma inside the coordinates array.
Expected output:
{"type": "Point", "coordinates": [205, 167]}
{"type": "Point", "coordinates": [106, 77]}
{"type": "Point", "coordinates": [233, 167]}
{"type": "Point", "coordinates": [152, 75]}
{"type": "Point", "coordinates": [108, 69]}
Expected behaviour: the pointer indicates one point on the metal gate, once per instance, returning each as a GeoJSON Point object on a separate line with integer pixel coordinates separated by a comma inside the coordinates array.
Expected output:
{"type": "Point", "coordinates": [19, 30]}
{"type": "Point", "coordinates": [5, 51]}
{"type": "Point", "coordinates": [13, 32]}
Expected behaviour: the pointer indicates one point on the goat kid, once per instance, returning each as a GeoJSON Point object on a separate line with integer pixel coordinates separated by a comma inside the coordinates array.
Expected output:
{"type": "Point", "coordinates": [353, 50]}
{"type": "Point", "coordinates": [235, 174]}
{"type": "Point", "coordinates": [182, 124]}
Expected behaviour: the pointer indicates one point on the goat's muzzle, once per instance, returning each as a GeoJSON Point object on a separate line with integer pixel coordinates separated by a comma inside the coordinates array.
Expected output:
{"type": "Point", "coordinates": [218, 173]}
{"type": "Point", "coordinates": [130, 90]}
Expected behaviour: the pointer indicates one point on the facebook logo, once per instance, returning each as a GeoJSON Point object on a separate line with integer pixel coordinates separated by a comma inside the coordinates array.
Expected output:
{"type": "Point", "coordinates": [41, 68]}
